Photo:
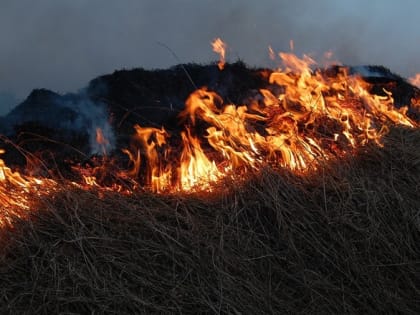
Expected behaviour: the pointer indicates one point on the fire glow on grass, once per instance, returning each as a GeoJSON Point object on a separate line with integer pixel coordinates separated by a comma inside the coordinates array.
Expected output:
{"type": "Point", "coordinates": [17, 191]}
{"type": "Point", "coordinates": [308, 118]}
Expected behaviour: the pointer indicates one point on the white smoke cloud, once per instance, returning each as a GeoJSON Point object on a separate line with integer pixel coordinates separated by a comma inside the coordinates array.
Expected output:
{"type": "Point", "coordinates": [90, 117]}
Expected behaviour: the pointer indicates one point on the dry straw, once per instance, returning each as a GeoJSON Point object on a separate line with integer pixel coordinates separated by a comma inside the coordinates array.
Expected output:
{"type": "Point", "coordinates": [344, 240]}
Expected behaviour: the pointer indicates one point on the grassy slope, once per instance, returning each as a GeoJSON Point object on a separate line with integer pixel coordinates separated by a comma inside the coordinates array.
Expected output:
{"type": "Point", "coordinates": [346, 240]}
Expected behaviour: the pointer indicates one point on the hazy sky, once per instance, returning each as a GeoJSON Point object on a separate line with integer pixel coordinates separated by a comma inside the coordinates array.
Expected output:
{"type": "Point", "coordinates": [62, 44]}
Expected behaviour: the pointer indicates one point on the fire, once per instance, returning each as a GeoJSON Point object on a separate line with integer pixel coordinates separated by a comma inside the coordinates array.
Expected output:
{"type": "Point", "coordinates": [18, 191]}
{"type": "Point", "coordinates": [312, 118]}
{"type": "Point", "coordinates": [292, 45]}
{"type": "Point", "coordinates": [415, 80]}
{"type": "Point", "coordinates": [220, 47]}
{"type": "Point", "coordinates": [152, 142]}
{"type": "Point", "coordinates": [196, 169]}
{"type": "Point", "coordinates": [303, 118]}
{"type": "Point", "coordinates": [271, 53]}
{"type": "Point", "coordinates": [101, 140]}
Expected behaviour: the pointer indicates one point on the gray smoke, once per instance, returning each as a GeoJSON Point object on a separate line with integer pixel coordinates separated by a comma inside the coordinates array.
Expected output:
{"type": "Point", "coordinates": [61, 45]}
{"type": "Point", "coordinates": [90, 117]}
{"type": "Point", "coordinates": [70, 115]}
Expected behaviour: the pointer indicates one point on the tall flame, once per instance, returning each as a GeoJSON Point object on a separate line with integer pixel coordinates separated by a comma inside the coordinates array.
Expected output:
{"type": "Point", "coordinates": [195, 169]}
{"type": "Point", "coordinates": [220, 47]}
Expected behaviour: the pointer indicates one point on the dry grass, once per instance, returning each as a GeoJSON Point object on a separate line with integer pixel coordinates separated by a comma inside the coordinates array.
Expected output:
{"type": "Point", "coordinates": [346, 240]}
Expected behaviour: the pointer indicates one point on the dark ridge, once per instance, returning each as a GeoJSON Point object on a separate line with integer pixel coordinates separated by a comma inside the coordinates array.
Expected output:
{"type": "Point", "coordinates": [154, 98]}
{"type": "Point", "coordinates": [42, 107]}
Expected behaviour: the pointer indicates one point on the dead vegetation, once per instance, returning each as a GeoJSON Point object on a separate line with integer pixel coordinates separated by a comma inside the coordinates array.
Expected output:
{"type": "Point", "coordinates": [344, 240]}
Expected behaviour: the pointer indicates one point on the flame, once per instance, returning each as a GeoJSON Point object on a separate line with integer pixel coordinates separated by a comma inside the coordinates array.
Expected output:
{"type": "Point", "coordinates": [303, 118]}
{"type": "Point", "coordinates": [415, 80]}
{"type": "Point", "coordinates": [17, 192]}
{"type": "Point", "coordinates": [90, 180]}
{"type": "Point", "coordinates": [196, 169]}
{"type": "Point", "coordinates": [314, 118]}
{"type": "Point", "coordinates": [101, 140]}
{"type": "Point", "coordinates": [220, 47]}
{"type": "Point", "coordinates": [153, 143]}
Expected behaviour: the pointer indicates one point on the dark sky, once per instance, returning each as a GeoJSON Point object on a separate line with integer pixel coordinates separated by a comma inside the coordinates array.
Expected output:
{"type": "Point", "coordinates": [62, 44]}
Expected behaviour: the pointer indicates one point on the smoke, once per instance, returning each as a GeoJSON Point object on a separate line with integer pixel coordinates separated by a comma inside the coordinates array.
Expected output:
{"type": "Point", "coordinates": [70, 114]}
{"type": "Point", "coordinates": [90, 118]}
{"type": "Point", "coordinates": [61, 45]}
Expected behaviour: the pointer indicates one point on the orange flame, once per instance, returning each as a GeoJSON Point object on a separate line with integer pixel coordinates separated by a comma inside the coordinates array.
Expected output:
{"type": "Point", "coordinates": [220, 47]}
{"type": "Point", "coordinates": [303, 118]}
{"type": "Point", "coordinates": [152, 141]}
{"type": "Point", "coordinates": [196, 169]}
{"type": "Point", "coordinates": [101, 140]}
{"type": "Point", "coordinates": [17, 192]}
{"type": "Point", "coordinates": [415, 80]}
{"type": "Point", "coordinates": [313, 118]}
{"type": "Point", "coordinates": [271, 53]}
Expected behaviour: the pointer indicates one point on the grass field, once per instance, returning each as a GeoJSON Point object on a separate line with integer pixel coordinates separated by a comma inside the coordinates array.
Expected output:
{"type": "Point", "coordinates": [343, 240]}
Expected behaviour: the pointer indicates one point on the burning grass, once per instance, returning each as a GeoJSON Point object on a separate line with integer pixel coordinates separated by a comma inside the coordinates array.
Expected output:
{"type": "Point", "coordinates": [343, 240]}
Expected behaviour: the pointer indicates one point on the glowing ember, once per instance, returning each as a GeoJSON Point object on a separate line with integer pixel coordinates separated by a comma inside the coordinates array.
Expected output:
{"type": "Point", "coordinates": [219, 47]}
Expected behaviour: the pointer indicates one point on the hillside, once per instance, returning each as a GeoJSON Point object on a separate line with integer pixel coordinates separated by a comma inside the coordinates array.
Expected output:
{"type": "Point", "coordinates": [194, 190]}
{"type": "Point", "coordinates": [345, 240]}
